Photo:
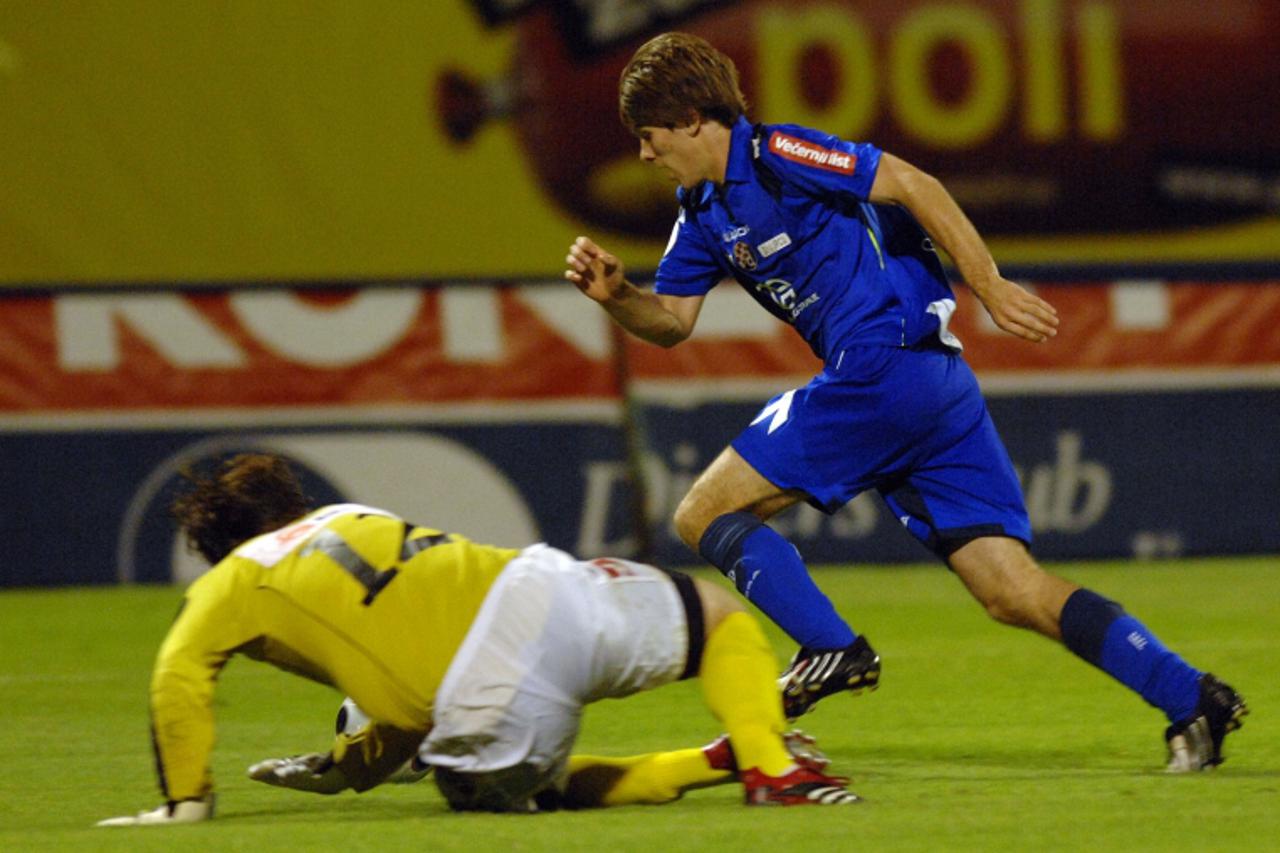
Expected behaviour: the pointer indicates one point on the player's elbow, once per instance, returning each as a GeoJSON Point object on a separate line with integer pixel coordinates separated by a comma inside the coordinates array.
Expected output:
{"type": "Point", "coordinates": [666, 333]}
{"type": "Point", "coordinates": [667, 338]}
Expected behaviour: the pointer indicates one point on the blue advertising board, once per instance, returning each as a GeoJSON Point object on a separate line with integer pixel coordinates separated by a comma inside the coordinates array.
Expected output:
{"type": "Point", "coordinates": [1136, 474]}
{"type": "Point", "coordinates": [91, 506]}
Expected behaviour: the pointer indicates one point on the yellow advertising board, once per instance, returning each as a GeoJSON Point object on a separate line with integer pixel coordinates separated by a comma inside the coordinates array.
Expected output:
{"type": "Point", "coordinates": [250, 140]}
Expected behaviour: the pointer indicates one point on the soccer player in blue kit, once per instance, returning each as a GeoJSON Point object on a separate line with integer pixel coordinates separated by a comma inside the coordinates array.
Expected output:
{"type": "Point", "coordinates": [837, 239]}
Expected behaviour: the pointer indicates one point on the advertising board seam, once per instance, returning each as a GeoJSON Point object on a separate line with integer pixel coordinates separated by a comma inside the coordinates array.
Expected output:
{"type": "Point", "coordinates": [606, 411]}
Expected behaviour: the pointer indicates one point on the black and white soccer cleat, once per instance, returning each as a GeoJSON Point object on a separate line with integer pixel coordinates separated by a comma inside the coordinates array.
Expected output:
{"type": "Point", "coordinates": [814, 674]}
{"type": "Point", "coordinates": [1196, 742]}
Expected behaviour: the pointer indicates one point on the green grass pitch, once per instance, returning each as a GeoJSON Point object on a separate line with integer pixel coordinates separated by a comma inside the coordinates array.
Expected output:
{"type": "Point", "coordinates": [980, 738]}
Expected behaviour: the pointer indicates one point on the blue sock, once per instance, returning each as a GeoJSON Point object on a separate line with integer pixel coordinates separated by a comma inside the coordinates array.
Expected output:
{"type": "Point", "coordinates": [768, 570]}
{"type": "Point", "coordinates": [1100, 632]}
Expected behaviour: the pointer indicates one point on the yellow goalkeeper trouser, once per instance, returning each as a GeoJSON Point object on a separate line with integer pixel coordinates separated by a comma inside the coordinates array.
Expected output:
{"type": "Point", "coordinates": [738, 672]}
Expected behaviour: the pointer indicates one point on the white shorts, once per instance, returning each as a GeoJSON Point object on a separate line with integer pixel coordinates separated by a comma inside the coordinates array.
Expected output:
{"type": "Point", "coordinates": [553, 634]}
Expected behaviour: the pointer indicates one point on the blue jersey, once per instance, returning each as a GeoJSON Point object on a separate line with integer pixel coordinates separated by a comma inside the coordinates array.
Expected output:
{"type": "Point", "coordinates": [792, 225]}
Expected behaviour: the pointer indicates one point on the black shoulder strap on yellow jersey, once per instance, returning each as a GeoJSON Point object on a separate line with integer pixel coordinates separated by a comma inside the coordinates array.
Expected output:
{"type": "Point", "coordinates": [422, 543]}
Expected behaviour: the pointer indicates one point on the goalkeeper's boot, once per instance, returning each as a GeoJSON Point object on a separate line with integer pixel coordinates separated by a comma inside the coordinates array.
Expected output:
{"type": "Point", "coordinates": [1196, 742]}
{"type": "Point", "coordinates": [803, 748]}
{"type": "Point", "coordinates": [801, 786]}
{"type": "Point", "coordinates": [813, 674]}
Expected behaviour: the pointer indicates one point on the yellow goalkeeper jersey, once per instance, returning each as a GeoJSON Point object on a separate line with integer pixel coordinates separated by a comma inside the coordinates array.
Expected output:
{"type": "Point", "coordinates": [349, 596]}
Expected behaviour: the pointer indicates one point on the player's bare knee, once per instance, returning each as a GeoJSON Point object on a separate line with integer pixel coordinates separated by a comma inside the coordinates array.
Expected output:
{"type": "Point", "coordinates": [1006, 610]}
{"type": "Point", "coordinates": [1028, 600]}
{"type": "Point", "coordinates": [1004, 578]}
{"type": "Point", "coordinates": [1008, 597]}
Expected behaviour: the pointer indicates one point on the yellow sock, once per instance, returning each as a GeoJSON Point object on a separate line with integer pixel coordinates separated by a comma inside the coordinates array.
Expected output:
{"type": "Point", "coordinates": [657, 777]}
{"type": "Point", "coordinates": [739, 684]}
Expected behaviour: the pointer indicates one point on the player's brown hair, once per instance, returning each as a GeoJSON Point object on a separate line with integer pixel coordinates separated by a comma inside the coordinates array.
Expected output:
{"type": "Point", "coordinates": [675, 75]}
{"type": "Point", "coordinates": [246, 495]}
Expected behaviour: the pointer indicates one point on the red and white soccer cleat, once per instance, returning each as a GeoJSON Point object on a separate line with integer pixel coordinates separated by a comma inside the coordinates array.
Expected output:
{"type": "Point", "coordinates": [800, 787]}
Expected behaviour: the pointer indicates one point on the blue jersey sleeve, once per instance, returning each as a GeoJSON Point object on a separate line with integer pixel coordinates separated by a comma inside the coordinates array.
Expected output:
{"type": "Point", "coordinates": [687, 267]}
{"type": "Point", "coordinates": [820, 164]}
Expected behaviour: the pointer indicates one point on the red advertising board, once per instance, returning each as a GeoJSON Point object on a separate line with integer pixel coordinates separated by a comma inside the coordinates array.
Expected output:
{"type": "Point", "coordinates": [1147, 325]}
{"type": "Point", "coordinates": [392, 346]}
{"type": "Point", "coordinates": [124, 351]}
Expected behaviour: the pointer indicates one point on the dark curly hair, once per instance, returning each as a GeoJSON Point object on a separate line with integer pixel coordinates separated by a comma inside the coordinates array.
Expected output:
{"type": "Point", "coordinates": [246, 495]}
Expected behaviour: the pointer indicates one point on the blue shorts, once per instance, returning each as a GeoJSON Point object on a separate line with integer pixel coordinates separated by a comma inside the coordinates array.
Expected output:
{"type": "Point", "coordinates": [910, 423]}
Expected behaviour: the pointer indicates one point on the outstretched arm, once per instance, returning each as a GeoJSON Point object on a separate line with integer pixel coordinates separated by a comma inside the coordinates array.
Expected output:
{"type": "Point", "coordinates": [659, 319]}
{"type": "Point", "coordinates": [1013, 308]}
{"type": "Point", "coordinates": [373, 754]}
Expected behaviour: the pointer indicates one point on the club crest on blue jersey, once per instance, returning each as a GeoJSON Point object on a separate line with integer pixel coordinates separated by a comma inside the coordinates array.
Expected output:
{"type": "Point", "coordinates": [742, 256]}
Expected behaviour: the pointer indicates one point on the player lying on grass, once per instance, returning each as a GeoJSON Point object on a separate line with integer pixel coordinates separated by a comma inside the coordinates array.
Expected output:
{"type": "Point", "coordinates": [837, 239]}
{"type": "Point", "coordinates": [363, 750]}
{"type": "Point", "coordinates": [479, 659]}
